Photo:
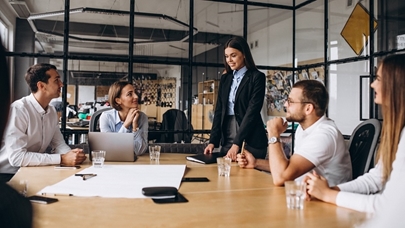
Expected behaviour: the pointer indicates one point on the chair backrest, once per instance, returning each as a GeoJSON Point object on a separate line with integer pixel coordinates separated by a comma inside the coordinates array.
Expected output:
{"type": "Point", "coordinates": [94, 126]}
{"type": "Point", "coordinates": [183, 148]}
{"type": "Point", "coordinates": [362, 146]}
{"type": "Point", "coordinates": [174, 119]}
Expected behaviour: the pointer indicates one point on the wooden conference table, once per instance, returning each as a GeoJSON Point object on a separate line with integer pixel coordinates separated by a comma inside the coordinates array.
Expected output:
{"type": "Point", "coordinates": [247, 198]}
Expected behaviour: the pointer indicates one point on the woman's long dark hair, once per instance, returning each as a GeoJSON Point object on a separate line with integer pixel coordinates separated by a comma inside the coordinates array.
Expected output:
{"type": "Point", "coordinates": [240, 44]}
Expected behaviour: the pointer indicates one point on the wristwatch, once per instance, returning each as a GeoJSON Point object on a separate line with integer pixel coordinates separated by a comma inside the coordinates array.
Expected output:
{"type": "Point", "coordinates": [273, 140]}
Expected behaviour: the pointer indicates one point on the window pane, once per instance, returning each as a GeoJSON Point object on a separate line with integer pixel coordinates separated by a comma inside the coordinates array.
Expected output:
{"type": "Point", "coordinates": [349, 28]}
{"type": "Point", "coordinates": [391, 25]}
{"type": "Point", "coordinates": [344, 94]}
{"type": "Point", "coordinates": [270, 35]}
{"type": "Point", "coordinates": [4, 34]}
{"type": "Point", "coordinates": [205, 93]}
{"type": "Point", "coordinates": [309, 34]}
{"type": "Point", "coordinates": [280, 2]}
{"type": "Point", "coordinates": [216, 23]}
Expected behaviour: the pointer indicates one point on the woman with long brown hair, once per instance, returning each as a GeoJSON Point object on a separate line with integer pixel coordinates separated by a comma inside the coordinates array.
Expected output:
{"type": "Point", "coordinates": [240, 99]}
{"type": "Point", "coordinates": [387, 178]}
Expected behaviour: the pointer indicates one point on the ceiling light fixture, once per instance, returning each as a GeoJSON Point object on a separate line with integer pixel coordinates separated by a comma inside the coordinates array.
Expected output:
{"type": "Point", "coordinates": [106, 12]}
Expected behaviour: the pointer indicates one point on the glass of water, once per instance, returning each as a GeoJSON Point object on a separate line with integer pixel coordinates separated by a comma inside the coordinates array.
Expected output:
{"type": "Point", "coordinates": [224, 166]}
{"type": "Point", "coordinates": [295, 194]}
{"type": "Point", "coordinates": [154, 152]}
{"type": "Point", "coordinates": [98, 157]}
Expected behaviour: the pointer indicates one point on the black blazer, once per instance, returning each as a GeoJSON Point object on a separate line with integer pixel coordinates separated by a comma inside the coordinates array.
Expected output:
{"type": "Point", "coordinates": [248, 104]}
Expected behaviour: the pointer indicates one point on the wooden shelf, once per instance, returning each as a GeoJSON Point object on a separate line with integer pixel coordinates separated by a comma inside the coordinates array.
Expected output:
{"type": "Point", "coordinates": [207, 96]}
{"type": "Point", "coordinates": [208, 90]}
{"type": "Point", "coordinates": [200, 117]}
{"type": "Point", "coordinates": [151, 89]}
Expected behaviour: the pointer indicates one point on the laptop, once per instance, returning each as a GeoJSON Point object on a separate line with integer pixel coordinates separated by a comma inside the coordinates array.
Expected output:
{"type": "Point", "coordinates": [119, 147]}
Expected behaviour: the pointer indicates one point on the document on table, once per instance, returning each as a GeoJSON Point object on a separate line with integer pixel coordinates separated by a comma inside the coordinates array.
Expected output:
{"type": "Point", "coordinates": [118, 181]}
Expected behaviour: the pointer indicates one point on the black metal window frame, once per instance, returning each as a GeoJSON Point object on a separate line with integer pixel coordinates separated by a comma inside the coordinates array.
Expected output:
{"type": "Point", "coordinates": [130, 59]}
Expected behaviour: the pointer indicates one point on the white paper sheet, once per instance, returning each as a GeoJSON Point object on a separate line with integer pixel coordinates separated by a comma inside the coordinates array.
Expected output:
{"type": "Point", "coordinates": [119, 181]}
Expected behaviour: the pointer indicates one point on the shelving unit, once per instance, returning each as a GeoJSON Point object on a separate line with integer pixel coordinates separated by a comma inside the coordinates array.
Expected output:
{"type": "Point", "coordinates": [158, 96]}
{"type": "Point", "coordinates": [207, 96]}
{"type": "Point", "coordinates": [207, 92]}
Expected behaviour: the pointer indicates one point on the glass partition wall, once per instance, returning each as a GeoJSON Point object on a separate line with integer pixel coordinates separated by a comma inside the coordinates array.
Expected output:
{"type": "Point", "coordinates": [173, 51]}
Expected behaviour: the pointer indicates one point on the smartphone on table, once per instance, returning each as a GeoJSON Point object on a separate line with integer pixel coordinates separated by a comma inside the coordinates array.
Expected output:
{"type": "Point", "coordinates": [67, 167]}
{"type": "Point", "coordinates": [42, 199]}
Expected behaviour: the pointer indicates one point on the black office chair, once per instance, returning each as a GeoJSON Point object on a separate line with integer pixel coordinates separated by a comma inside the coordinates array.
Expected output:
{"type": "Point", "coordinates": [94, 126]}
{"type": "Point", "coordinates": [174, 119]}
{"type": "Point", "coordinates": [183, 148]}
{"type": "Point", "coordinates": [362, 146]}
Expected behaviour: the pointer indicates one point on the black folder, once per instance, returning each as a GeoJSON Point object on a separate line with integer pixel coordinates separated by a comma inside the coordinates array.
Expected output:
{"type": "Point", "coordinates": [204, 158]}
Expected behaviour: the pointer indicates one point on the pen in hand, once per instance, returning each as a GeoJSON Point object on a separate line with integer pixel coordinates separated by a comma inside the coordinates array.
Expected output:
{"type": "Point", "coordinates": [243, 148]}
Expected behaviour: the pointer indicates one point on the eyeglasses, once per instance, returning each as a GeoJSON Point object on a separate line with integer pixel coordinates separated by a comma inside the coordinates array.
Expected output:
{"type": "Point", "coordinates": [289, 102]}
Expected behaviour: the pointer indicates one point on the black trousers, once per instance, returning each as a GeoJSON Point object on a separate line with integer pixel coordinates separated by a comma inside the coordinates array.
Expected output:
{"type": "Point", "coordinates": [5, 177]}
{"type": "Point", "coordinates": [231, 128]}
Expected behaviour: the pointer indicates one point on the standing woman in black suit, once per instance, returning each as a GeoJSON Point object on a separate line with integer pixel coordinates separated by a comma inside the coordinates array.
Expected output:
{"type": "Point", "coordinates": [240, 99]}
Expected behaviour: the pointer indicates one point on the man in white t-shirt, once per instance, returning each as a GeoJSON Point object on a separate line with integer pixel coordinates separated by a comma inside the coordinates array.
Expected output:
{"type": "Point", "coordinates": [319, 145]}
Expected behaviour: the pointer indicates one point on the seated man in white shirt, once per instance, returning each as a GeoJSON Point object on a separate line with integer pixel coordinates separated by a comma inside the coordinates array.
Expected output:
{"type": "Point", "coordinates": [33, 126]}
{"type": "Point", "coordinates": [319, 145]}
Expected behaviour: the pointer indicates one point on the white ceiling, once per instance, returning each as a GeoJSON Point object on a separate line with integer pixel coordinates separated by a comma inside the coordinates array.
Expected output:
{"type": "Point", "coordinates": [209, 17]}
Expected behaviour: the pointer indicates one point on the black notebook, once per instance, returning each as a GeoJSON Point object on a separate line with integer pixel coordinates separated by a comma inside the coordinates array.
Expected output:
{"type": "Point", "coordinates": [204, 158]}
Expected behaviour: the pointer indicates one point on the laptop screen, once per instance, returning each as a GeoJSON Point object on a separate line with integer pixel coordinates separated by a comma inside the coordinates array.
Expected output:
{"type": "Point", "coordinates": [118, 146]}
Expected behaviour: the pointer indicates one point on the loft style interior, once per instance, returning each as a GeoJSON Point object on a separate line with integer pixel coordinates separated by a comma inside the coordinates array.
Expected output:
{"type": "Point", "coordinates": [180, 42]}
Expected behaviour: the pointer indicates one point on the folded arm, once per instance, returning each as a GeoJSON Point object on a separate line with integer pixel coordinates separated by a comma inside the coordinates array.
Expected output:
{"type": "Point", "coordinates": [283, 169]}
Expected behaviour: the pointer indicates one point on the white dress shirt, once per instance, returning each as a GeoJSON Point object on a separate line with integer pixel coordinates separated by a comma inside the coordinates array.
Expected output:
{"type": "Point", "coordinates": [30, 131]}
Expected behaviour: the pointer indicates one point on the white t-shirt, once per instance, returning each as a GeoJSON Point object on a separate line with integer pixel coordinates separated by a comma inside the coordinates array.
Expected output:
{"type": "Point", "coordinates": [369, 194]}
{"type": "Point", "coordinates": [30, 131]}
{"type": "Point", "coordinates": [323, 145]}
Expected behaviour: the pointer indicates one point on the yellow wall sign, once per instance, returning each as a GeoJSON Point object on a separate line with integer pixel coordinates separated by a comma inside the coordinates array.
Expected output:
{"type": "Point", "coordinates": [357, 29]}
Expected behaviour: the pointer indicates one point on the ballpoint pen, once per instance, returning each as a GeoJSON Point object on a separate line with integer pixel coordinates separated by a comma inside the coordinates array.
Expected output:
{"type": "Point", "coordinates": [56, 194]}
{"type": "Point", "coordinates": [86, 176]}
{"type": "Point", "coordinates": [82, 174]}
{"type": "Point", "coordinates": [67, 167]}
